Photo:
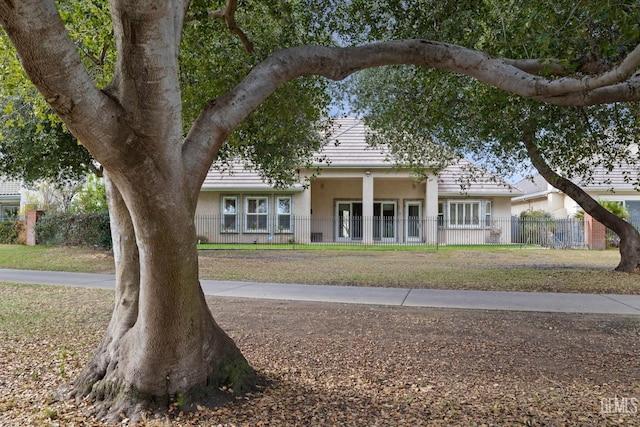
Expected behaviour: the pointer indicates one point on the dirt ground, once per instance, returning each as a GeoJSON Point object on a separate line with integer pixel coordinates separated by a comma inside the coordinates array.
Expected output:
{"type": "Point", "coordinates": [355, 365]}
{"type": "Point", "coordinates": [369, 365]}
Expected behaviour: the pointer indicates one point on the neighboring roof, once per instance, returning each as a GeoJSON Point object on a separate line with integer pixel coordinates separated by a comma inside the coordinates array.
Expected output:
{"type": "Point", "coordinates": [528, 186]}
{"type": "Point", "coordinates": [605, 180]}
{"type": "Point", "coordinates": [602, 180]}
{"type": "Point", "coordinates": [9, 187]}
{"type": "Point", "coordinates": [348, 148]}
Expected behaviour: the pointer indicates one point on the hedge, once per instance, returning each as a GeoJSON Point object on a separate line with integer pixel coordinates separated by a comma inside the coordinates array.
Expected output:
{"type": "Point", "coordinates": [12, 231]}
{"type": "Point", "coordinates": [60, 229]}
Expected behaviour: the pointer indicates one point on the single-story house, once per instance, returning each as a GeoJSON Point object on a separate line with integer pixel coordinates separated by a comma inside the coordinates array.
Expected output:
{"type": "Point", "coordinates": [10, 196]}
{"type": "Point", "coordinates": [537, 194]}
{"type": "Point", "coordinates": [359, 196]}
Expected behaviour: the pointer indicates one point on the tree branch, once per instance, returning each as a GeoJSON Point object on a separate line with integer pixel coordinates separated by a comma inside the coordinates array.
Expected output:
{"type": "Point", "coordinates": [587, 64]}
{"type": "Point", "coordinates": [591, 64]}
{"type": "Point", "coordinates": [586, 202]}
{"type": "Point", "coordinates": [221, 116]}
{"type": "Point", "coordinates": [229, 16]}
{"type": "Point", "coordinates": [629, 236]}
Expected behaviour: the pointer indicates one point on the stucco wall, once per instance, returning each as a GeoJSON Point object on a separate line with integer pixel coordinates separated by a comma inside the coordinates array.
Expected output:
{"type": "Point", "coordinates": [314, 212]}
{"type": "Point", "coordinates": [562, 206]}
{"type": "Point", "coordinates": [209, 218]}
{"type": "Point", "coordinates": [325, 193]}
{"type": "Point", "coordinates": [498, 233]}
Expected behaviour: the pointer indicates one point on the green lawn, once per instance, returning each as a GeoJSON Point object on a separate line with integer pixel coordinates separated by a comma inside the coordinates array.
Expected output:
{"type": "Point", "coordinates": [484, 268]}
{"type": "Point", "coordinates": [55, 258]}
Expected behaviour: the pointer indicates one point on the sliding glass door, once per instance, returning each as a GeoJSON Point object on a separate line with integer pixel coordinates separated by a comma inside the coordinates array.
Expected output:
{"type": "Point", "coordinates": [384, 221]}
{"type": "Point", "coordinates": [350, 222]}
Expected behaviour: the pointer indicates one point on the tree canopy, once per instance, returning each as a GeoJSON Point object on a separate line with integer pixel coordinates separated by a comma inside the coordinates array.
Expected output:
{"type": "Point", "coordinates": [277, 138]}
{"type": "Point", "coordinates": [472, 119]}
{"type": "Point", "coordinates": [36, 146]}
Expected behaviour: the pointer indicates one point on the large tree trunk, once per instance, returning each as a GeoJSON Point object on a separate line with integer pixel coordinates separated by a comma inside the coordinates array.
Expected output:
{"type": "Point", "coordinates": [629, 236]}
{"type": "Point", "coordinates": [162, 343]}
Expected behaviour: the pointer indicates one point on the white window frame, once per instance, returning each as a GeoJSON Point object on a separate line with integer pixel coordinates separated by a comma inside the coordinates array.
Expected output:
{"type": "Point", "coordinates": [282, 215]}
{"type": "Point", "coordinates": [382, 223]}
{"type": "Point", "coordinates": [413, 228]}
{"type": "Point", "coordinates": [252, 220]}
{"type": "Point", "coordinates": [488, 213]}
{"type": "Point", "coordinates": [460, 214]}
{"type": "Point", "coordinates": [351, 228]}
{"type": "Point", "coordinates": [348, 227]}
{"type": "Point", "coordinates": [227, 214]}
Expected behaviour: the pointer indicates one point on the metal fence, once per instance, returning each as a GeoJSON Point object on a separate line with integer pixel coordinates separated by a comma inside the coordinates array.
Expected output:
{"type": "Point", "coordinates": [354, 230]}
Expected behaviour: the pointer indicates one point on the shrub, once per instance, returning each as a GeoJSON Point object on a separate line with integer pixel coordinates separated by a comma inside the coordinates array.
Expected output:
{"type": "Point", "coordinates": [537, 227]}
{"type": "Point", "coordinates": [60, 229]}
{"type": "Point", "coordinates": [12, 231]}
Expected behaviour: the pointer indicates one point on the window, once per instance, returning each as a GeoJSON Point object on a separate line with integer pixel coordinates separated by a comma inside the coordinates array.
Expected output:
{"type": "Point", "coordinates": [9, 212]}
{"type": "Point", "coordinates": [487, 213]}
{"type": "Point", "coordinates": [413, 219]}
{"type": "Point", "coordinates": [350, 221]}
{"type": "Point", "coordinates": [230, 214]}
{"type": "Point", "coordinates": [349, 225]}
{"type": "Point", "coordinates": [256, 212]}
{"type": "Point", "coordinates": [440, 214]}
{"type": "Point", "coordinates": [468, 213]}
{"type": "Point", "coordinates": [633, 207]}
{"type": "Point", "coordinates": [384, 220]}
{"type": "Point", "coordinates": [283, 214]}
{"type": "Point", "coordinates": [464, 214]}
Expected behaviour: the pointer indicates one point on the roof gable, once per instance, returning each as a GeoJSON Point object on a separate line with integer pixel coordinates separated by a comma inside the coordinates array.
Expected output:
{"type": "Point", "coordinates": [348, 147]}
{"type": "Point", "coordinates": [535, 184]}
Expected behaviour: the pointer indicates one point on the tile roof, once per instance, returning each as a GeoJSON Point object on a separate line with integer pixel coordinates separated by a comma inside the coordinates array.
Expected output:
{"type": "Point", "coordinates": [602, 180]}
{"type": "Point", "coordinates": [237, 177]}
{"type": "Point", "coordinates": [527, 186]}
{"type": "Point", "coordinates": [348, 148]}
{"type": "Point", "coordinates": [9, 187]}
{"type": "Point", "coordinates": [485, 184]}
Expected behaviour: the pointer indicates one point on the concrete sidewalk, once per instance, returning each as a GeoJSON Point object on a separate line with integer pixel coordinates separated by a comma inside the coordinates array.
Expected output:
{"type": "Point", "coordinates": [480, 300]}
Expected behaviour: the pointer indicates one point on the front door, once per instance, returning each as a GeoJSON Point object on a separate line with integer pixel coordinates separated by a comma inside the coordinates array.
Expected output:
{"type": "Point", "coordinates": [349, 224]}
{"type": "Point", "coordinates": [384, 221]}
{"type": "Point", "coordinates": [413, 219]}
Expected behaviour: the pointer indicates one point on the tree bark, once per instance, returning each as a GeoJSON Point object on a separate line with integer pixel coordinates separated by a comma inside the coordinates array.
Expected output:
{"type": "Point", "coordinates": [125, 312]}
{"type": "Point", "coordinates": [162, 343]}
{"type": "Point", "coordinates": [629, 236]}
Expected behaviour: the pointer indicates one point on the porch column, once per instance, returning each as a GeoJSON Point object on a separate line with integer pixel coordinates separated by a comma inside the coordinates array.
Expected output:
{"type": "Point", "coordinates": [431, 210]}
{"type": "Point", "coordinates": [367, 208]}
{"type": "Point", "coordinates": [302, 215]}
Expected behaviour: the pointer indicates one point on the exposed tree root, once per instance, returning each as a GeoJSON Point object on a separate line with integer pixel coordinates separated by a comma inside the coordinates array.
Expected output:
{"type": "Point", "coordinates": [112, 398]}
{"type": "Point", "coordinates": [630, 253]}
